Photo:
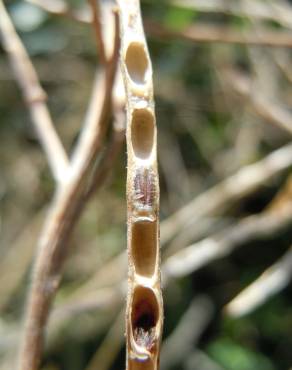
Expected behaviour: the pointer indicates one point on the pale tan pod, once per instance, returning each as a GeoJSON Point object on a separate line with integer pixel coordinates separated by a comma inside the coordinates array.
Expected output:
{"type": "Point", "coordinates": [144, 317]}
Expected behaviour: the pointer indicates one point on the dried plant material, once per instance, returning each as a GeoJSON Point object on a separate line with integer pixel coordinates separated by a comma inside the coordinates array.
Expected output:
{"type": "Point", "coordinates": [269, 283]}
{"type": "Point", "coordinates": [203, 33]}
{"type": "Point", "coordinates": [144, 304]}
{"type": "Point", "coordinates": [70, 196]}
{"type": "Point", "coordinates": [34, 96]}
{"type": "Point", "coordinates": [144, 337]}
{"type": "Point", "coordinates": [246, 180]}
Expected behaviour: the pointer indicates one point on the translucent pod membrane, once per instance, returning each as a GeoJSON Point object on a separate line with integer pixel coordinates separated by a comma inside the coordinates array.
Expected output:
{"type": "Point", "coordinates": [142, 133]}
{"type": "Point", "coordinates": [145, 193]}
{"type": "Point", "coordinates": [144, 317]}
{"type": "Point", "coordinates": [144, 247]}
{"type": "Point", "coordinates": [137, 63]}
{"type": "Point", "coordinates": [147, 365]}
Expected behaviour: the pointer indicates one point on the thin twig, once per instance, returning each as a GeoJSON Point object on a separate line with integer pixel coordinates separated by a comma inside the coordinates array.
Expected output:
{"type": "Point", "coordinates": [254, 9]}
{"type": "Point", "coordinates": [251, 9]}
{"type": "Point", "coordinates": [118, 135]}
{"type": "Point", "coordinates": [204, 33]}
{"type": "Point", "coordinates": [104, 167]}
{"type": "Point", "coordinates": [65, 313]}
{"type": "Point", "coordinates": [276, 277]}
{"type": "Point", "coordinates": [266, 109]}
{"type": "Point", "coordinates": [272, 281]}
{"type": "Point", "coordinates": [222, 243]}
{"type": "Point", "coordinates": [216, 199]}
{"type": "Point", "coordinates": [276, 216]}
{"type": "Point", "coordinates": [96, 20]}
{"type": "Point", "coordinates": [22, 249]}
{"type": "Point", "coordinates": [63, 215]}
{"type": "Point", "coordinates": [34, 96]}
{"type": "Point", "coordinates": [92, 132]}
{"type": "Point", "coordinates": [220, 34]}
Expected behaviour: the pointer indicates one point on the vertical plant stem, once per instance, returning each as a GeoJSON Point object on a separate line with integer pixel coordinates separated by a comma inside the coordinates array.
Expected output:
{"type": "Point", "coordinates": [144, 316]}
{"type": "Point", "coordinates": [95, 7]}
{"type": "Point", "coordinates": [64, 212]}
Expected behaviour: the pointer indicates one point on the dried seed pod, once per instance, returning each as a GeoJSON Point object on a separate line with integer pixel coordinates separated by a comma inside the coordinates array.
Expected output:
{"type": "Point", "coordinates": [144, 316]}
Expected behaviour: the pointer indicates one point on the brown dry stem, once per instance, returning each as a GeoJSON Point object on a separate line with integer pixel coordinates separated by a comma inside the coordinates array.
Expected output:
{"type": "Point", "coordinates": [207, 33]}
{"type": "Point", "coordinates": [268, 110]}
{"type": "Point", "coordinates": [65, 210]}
{"type": "Point", "coordinates": [34, 96]}
{"type": "Point", "coordinates": [279, 12]}
{"type": "Point", "coordinates": [234, 187]}
{"type": "Point", "coordinates": [221, 34]}
{"type": "Point", "coordinates": [269, 283]}
{"type": "Point", "coordinates": [144, 315]}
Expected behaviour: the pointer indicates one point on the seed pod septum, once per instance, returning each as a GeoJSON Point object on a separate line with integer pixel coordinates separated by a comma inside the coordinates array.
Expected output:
{"type": "Point", "coordinates": [144, 194]}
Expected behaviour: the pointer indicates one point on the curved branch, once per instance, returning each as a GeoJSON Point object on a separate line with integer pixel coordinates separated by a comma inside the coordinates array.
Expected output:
{"type": "Point", "coordinates": [63, 215]}
{"type": "Point", "coordinates": [34, 96]}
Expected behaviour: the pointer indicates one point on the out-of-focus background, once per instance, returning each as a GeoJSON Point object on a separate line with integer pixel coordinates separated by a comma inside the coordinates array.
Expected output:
{"type": "Point", "coordinates": [223, 91]}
